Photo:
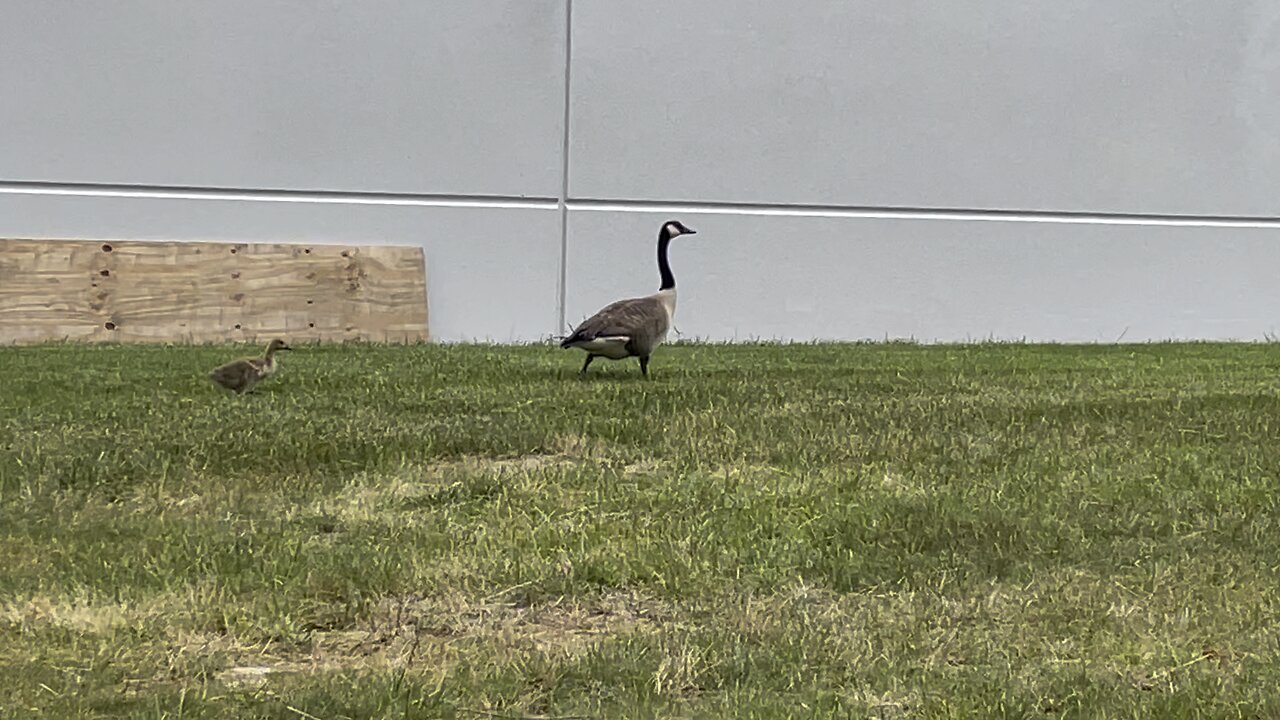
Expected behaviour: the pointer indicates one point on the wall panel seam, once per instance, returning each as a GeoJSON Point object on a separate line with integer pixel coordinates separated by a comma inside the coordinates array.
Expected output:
{"type": "Point", "coordinates": [562, 284]}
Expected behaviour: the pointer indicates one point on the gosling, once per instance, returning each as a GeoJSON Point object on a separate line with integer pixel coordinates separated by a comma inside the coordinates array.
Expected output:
{"type": "Point", "coordinates": [240, 376]}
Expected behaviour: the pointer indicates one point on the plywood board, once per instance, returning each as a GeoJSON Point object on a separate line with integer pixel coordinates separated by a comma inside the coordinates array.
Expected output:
{"type": "Point", "coordinates": [135, 291]}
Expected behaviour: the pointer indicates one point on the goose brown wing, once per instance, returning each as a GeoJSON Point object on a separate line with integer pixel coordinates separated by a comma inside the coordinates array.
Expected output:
{"type": "Point", "coordinates": [233, 375]}
{"type": "Point", "coordinates": [634, 317]}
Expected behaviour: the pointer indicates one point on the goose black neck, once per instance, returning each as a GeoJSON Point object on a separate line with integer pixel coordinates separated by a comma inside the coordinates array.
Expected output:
{"type": "Point", "coordinates": [664, 268]}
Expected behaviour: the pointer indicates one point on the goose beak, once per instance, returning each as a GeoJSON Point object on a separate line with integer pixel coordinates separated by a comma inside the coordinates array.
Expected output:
{"type": "Point", "coordinates": [690, 231]}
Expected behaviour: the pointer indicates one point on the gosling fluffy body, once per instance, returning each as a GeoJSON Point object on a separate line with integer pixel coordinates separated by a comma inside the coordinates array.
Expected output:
{"type": "Point", "coordinates": [240, 376]}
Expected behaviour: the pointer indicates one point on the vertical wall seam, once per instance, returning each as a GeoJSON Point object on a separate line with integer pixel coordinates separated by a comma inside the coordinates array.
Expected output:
{"type": "Point", "coordinates": [562, 285]}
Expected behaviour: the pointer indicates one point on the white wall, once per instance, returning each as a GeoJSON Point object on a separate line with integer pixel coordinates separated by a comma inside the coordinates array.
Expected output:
{"type": "Point", "coordinates": [1073, 171]}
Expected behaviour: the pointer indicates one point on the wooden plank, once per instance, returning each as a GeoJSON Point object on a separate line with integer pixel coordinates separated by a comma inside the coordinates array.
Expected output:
{"type": "Point", "coordinates": [132, 291]}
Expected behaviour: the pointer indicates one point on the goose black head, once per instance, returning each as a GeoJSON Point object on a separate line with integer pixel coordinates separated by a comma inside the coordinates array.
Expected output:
{"type": "Point", "coordinates": [675, 228]}
{"type": "Point", "coordinates": [278, 344]}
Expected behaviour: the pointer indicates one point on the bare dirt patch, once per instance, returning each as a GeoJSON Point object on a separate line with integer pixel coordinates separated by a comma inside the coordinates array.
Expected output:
{"type": "Point", "coordinates": [565, 625]}
{"type": "Point", "coordinates": [436, 632]}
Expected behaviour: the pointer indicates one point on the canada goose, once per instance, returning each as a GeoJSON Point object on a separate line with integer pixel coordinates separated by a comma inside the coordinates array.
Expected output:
{"type": "Point", "coordinates": [239, 376]}
{"type": "Point", "coordinates": [633, 327]}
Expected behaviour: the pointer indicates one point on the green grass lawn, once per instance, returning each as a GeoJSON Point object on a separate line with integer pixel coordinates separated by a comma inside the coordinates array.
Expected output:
{"type": "Point", "coordinates": [865, 531]}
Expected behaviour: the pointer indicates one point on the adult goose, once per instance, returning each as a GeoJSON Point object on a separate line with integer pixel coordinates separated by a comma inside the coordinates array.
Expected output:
{"type": "Point", "coordinates": [636, 326]}
{"type": "Point", "coordinates": [239, 376]}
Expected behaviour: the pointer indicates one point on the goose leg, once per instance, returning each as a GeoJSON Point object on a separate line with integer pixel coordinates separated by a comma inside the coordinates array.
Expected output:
{"type": "Point", "coordinates": [644, 365]}
{"type": "Point", "coordinates": [587, 362]}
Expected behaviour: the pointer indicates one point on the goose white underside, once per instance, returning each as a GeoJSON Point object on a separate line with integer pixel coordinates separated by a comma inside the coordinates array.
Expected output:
{"type": "Point", "coordinates": [613, 347]}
